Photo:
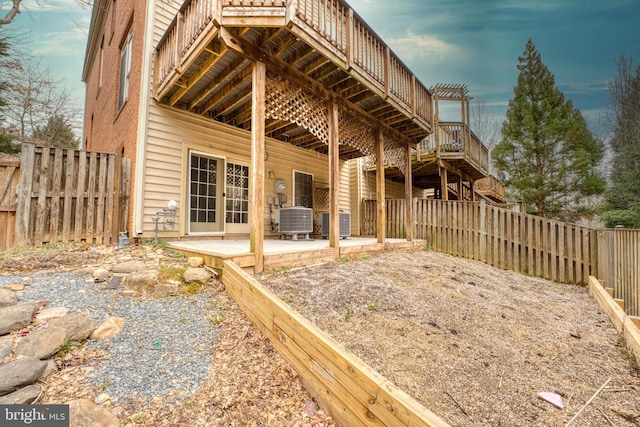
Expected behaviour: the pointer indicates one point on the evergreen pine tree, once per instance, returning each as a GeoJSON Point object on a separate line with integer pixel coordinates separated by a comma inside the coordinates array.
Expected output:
{"type": "Point", "coordinates": [57, 133]}
{"type": "Point", "coordinates": [548, 152]}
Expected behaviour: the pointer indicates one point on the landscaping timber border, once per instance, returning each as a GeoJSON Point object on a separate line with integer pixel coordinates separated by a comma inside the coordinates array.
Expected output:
{"type": "Point", "coordinates": [349, 389]}
{"type": "Point", "coordinates": [628, 326]}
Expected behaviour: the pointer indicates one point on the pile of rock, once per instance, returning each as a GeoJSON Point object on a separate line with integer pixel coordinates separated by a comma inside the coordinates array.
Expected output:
{"type": "Point", "coordinates": [137, 277]}
{"type": "Point", "coordinates": [29, 339]}
{"type": "Point", "coordinates": [31, 334]}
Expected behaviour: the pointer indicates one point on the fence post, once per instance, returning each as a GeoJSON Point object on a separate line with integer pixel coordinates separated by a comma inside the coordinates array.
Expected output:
{"type": "Point", "coordinates": [23, 209]}
{"type": "Point", "coordinates": [614, 275]}
{"type": "Point", "coordinates": [483, 230]}
{"type": "Point", "coordinates": [115, 172]}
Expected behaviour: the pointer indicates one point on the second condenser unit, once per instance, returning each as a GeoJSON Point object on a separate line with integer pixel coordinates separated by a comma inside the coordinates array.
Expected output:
{"type": "Point", "coordinates": [345, 224]}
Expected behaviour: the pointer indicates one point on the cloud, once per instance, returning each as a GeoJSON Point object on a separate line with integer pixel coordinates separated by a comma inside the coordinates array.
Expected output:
{"type": "Point", "coordinates": [580, 88]}
{"type": "Point", "coordinates": [412, 46]}
{"type": "Point", "coordinates": [534, 5]}
{"type": "Point", "coordinates": [61, 43]}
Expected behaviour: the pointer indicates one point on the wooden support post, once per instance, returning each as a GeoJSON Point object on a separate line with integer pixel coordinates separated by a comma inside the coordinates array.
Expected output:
{"type": "Point", "coordinates": [256, 185]}
{"type": "Point", "coordinates": [408, 194]}
{"type": "Point", "coordinates": [334, 178]}
{"type": "Point", "coordinates": [473, 190]}
{"type": "Point", "coordinates": [460, 190]}
{"type": "Point", "coordinates": [436, 124]}
{"type": "Point", "coordinates": [444, 184]}
{"type": "Point", "coordinates": [463, 106]}
{"type": "Point", "coordinates": [381, 223]}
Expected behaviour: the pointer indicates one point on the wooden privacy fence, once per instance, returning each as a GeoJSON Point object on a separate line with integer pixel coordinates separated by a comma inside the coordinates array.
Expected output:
{"type": "Point", "coordinates": [520, 242]}
{"type": "Point", "coordinates": [59, 195]}
{"type": "Point", "coordinates": [9, 175]}
{"type": "Point", "coordinates": [619, 265]}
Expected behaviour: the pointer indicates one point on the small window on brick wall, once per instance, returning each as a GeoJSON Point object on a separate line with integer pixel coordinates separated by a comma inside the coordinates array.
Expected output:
{"type": "Point", "coordinates": [125, 71]}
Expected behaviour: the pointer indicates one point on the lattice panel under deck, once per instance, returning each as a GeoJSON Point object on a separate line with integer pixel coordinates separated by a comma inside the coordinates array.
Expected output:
{"type": "Point", "coordinates": [320, 204]}
{"type": "Point", "coordinates": [286, 101]}
{"type": "Point", "coordinates": [356, 133]}
{"type": "Point", "coordinates": [394, 153]}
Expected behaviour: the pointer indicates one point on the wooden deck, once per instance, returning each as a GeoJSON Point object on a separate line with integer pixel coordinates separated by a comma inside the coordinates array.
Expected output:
{"type": "Point", "coordinates": [491, 188]}
{"type": "Point", "coordinates": [279, 253]}
{"type": "Point", "coordinates": [452, 154]}
{"type": "Point", "coordinates": [459, 146]}
{"type": "Point", "coordinates": [315, 51]}
{"type": "Point", "coordinates": [458, 149]}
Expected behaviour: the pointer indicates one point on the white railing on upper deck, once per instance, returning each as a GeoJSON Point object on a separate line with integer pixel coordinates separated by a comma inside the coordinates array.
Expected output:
{"type": "Point", "coordinates": [456, 137]}
{"type": "Point", "coordinates": [330, 23]}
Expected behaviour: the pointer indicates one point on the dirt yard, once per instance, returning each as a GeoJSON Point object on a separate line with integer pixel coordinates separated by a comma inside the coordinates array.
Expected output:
{"type": "Point", "coordinates": [473, 343]}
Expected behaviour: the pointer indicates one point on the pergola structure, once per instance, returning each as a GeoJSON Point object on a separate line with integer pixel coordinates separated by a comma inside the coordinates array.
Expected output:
{"type": "Point", "coordinates": [309, 73]}
{"type": "Point", "coordinates": [452, 154]}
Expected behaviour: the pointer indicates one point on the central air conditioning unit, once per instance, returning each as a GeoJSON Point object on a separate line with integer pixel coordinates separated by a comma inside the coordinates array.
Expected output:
{"type": "Point", "coordinates": [293, 221]}
{"type": "Point", "coordinates": [345, 224]}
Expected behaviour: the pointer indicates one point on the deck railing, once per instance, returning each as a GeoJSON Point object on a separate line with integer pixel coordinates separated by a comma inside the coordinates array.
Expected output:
{"type": "Point", "coordinates": [490, 185]}
{"type": "Point", "coordinates": [188, 25]}
{"type": "Point", "coordinates": [329, 25]}
{"type": "Point", "coordinates": [455, 139]}
{"type": "Point", "coordinates": [328, 19]}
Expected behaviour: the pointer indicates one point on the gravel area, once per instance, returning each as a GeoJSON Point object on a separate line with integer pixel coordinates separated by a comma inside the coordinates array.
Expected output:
{"type": "Point", "coordinates": [164, 349]}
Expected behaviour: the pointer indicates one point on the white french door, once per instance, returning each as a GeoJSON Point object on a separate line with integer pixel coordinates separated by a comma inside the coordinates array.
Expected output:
{"type": "Point", "coordinates": [206, 194]}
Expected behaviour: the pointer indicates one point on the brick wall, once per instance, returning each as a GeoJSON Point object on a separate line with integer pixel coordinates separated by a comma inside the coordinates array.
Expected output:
{"type": "Point", "coordinates": [105, 127]}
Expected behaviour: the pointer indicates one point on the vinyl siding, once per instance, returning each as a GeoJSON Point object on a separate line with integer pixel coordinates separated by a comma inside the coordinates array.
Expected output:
{"type": "Point", "coordinates": [172, 133]}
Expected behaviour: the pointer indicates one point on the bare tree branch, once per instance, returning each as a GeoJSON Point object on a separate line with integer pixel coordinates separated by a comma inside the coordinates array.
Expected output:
{"type": "Point", "coordinates": [15, 9]}
{"type": "Point", "coordinates": [33, 97]}
{"type": "Point", "coordinates": [484, 125]}
{"type": "Point", "coordinates": [85, 3]}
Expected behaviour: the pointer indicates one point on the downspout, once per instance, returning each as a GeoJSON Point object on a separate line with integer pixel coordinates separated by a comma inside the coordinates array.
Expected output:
{"type": "Point", "coordinates": [143, 116]}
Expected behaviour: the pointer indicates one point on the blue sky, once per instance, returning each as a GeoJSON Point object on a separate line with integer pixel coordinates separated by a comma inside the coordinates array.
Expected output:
{"type": "Point", "coordinates": [446, 41]}
{"type": "Point", "coordinates": [57, 34]}
{"type": "Point", "coordinates": [478, 43]}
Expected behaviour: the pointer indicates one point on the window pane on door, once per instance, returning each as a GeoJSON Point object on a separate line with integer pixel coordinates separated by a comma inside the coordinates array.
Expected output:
{"type": "Point", "coordinates": [203, 189]}
{"type": "Point", "coordinates": [237, 191]}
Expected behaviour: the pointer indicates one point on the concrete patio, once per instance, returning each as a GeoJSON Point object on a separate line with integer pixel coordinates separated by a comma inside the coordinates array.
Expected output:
{"type": "Point", "coordinates": [279, 252]}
